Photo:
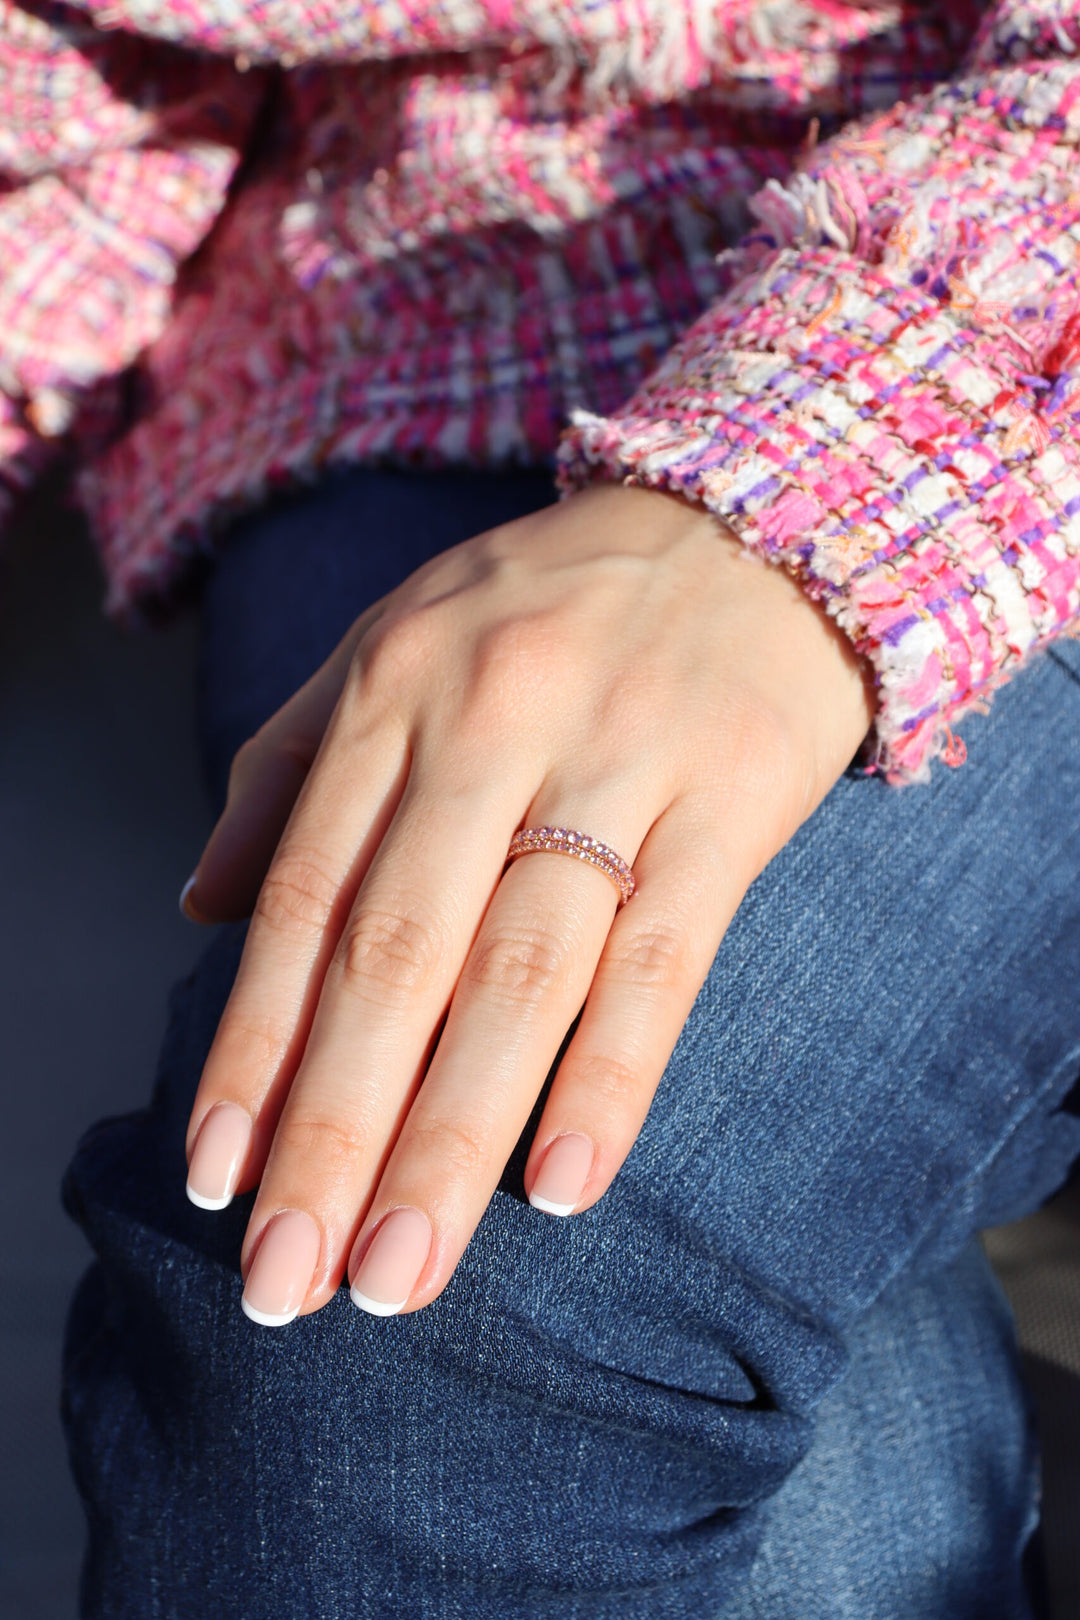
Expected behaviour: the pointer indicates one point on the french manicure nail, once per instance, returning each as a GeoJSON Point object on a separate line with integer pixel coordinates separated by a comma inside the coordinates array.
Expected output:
{"type": "Point", "coordinates": [218, 1156]}
{"type": "Point", "coordinates": [188, 908]}
{"type": "Point", "coordinates": [394, 1260]}
{"type": "Point", "coordinates": [563, 1172]}
{"type": "Point", "coordinates": [282, 1270]}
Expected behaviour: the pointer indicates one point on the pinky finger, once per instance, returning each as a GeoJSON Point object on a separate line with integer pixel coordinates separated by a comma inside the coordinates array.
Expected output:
{"type": "Point", "coordinates": [655, 961]}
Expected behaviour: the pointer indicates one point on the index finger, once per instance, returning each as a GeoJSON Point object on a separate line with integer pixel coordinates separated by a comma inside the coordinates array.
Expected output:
{"type": "Point", "coordinates": [331, 836]}
{"type": "Point", "coordinates": [266, 777]}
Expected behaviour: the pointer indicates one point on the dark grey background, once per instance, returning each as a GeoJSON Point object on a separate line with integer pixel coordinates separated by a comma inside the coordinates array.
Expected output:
{"type": "Point", "coordinates": [101, 819]}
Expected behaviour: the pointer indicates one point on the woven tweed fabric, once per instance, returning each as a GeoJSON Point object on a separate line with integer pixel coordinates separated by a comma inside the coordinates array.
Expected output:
{"type": "Point", "coordinates": [811, 262]}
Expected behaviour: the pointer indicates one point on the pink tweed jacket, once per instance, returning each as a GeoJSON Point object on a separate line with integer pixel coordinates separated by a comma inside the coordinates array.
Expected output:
{"type": "Point", "coordinates": [811, 262]}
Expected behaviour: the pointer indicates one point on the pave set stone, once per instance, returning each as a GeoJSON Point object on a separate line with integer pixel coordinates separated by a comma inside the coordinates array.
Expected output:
{"type": "Point", "coordinates": [564, 841]}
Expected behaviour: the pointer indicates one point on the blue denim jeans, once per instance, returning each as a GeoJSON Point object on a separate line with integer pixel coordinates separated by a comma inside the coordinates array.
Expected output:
{"type": "Point", "coordinates": [769, 1375]}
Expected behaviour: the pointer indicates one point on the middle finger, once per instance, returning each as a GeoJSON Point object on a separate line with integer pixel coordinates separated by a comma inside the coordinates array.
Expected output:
{"type": "Point", "coordinates": [529, 972]}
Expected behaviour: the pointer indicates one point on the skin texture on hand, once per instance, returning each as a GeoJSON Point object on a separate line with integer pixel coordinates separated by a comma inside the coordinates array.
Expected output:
{"type": "Point", "coordinates": [618, 664]}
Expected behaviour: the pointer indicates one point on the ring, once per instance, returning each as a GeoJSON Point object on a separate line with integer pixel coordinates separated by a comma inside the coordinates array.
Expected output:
{"type": "Point", "coordinates": [565, 841]}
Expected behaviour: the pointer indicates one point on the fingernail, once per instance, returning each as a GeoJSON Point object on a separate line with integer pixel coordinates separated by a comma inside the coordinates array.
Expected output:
{"type": "Point", "coordinates": [218, 1156]}
{"type": "Point", "coordinates": [563, 1172]}
{"type": "Point", "coordinates": [282, 1270]}
{"type": "Point", "coordinates": [187, 906]}
{"type": "Point", "coordinates": [394, 1260]}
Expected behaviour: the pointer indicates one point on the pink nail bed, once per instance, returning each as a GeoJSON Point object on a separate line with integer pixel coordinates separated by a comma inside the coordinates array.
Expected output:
{"type": "Point", "coordinates": [282, 1269]}
{"type": "Point", "coordinates": [564, 1170]}
{"type": "Point", "coordinates": [394, 1260]}
{"type": "Point", "coordinates": [218, 1156]}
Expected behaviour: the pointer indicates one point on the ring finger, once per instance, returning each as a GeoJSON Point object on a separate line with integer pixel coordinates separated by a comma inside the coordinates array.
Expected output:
{"type": "Point", "coordinates": [450, 1155]}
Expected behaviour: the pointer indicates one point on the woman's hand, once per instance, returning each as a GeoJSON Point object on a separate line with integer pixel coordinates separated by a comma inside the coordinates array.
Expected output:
{"type": "Point", "coordinates": [618, 664]}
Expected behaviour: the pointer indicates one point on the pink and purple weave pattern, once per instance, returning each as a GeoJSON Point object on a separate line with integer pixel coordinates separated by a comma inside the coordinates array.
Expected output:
{"type": "Point", "coordinates": [241, 241]}
{"type": "Point", "coordinates": [887, 400]}
{"type": "Point", "coordinates": [901, 463]}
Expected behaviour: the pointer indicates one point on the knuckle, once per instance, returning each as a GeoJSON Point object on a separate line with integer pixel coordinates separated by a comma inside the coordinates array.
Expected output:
{"type": "Point", "coordinates": [609, 1081]}
{"type": "Point", "coordinates": [399, 650]}
{"type": "Point", "coordinates": [518, 969]}
{"type": "Point", "coordinates": [243, 1046]}
{"type": "Point", "coordinates": [297, 895]}
{"type": "Point", "coordinates": [766, 768]}
{"type": "Point", "coordinates": [461, 1152]}
{"type": "Point", "coordinates": [532, 638]}
{"type": "Point", "coordinates": [763, 740]}
{"type": "Point", "coordinates": [657, 957]}
{"type": "Point", "coordinates": [336, 1145]}
{"type": "Point", "coordinates": [394, 952]}
{"type": "Point", "coordinates": [519, 655]}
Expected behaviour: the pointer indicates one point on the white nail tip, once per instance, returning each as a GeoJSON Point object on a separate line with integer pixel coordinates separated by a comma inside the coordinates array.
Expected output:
{"type": "Point", "coordinates": [263, 1318]}
{"type": "Point", "coordinates": [208, 1203]}
{"type": "Point", "coordinates": [184, 892]}
{"type": "Point", "coordinates": [377, 1307]}
{"type": "Point", "coordinates": [551, 1209]}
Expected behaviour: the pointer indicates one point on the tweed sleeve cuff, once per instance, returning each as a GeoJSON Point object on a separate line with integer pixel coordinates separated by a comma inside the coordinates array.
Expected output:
{"type": "Point", "coordinates": [904, 463]}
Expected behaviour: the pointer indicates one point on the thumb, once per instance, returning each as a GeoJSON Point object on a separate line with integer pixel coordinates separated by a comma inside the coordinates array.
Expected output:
{"type": "Point", "coordinates": [265, 779]}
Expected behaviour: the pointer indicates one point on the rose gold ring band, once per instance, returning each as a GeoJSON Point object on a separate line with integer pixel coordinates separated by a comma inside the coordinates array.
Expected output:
{"type": "Point", "coordinates": [565, 841]}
